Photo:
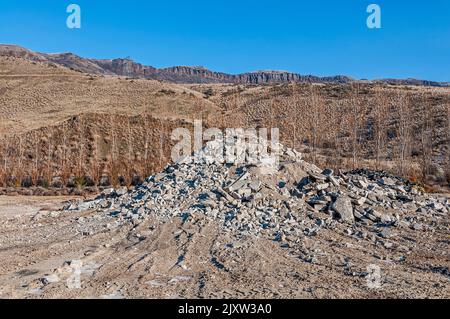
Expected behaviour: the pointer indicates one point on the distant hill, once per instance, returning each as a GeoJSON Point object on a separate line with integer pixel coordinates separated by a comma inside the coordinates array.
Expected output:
{"type": "Point", "coordinates": [184, 74]}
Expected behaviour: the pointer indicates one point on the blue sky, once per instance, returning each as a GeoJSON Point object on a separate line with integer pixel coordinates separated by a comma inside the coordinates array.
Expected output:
{"type": "Point", "coordinates": [321, 37]}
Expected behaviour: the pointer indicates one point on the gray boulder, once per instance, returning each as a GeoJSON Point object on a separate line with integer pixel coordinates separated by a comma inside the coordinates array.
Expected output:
{"type": "Point", "coordinates": [344, 209]}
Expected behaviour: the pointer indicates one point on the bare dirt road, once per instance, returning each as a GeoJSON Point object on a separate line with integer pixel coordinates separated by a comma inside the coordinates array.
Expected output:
{"type": "Point", "coordinates": [40, 250]}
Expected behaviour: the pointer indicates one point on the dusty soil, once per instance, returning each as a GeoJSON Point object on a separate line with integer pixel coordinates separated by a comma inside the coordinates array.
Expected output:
{"type": "Point", "coordinates": [195, 259]}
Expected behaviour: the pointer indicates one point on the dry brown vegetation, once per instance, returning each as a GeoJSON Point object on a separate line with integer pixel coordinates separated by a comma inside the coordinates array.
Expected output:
{"type": "Point", "coordinates": [60, 127]}
{"type": "Point", "coordinates": [87, 150]}
{"type": "Point", "coordinates": [402, 129]}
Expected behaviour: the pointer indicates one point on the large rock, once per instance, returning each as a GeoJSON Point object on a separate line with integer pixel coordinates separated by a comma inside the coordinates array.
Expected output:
{"type": "Point", "coordinates": [344, 209]}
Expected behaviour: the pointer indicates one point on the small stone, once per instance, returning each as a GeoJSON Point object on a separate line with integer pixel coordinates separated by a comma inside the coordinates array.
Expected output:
{"type": "Point", "coordinates": [387, 181]}
{"type": "Point", "coordinates": [333, 180]}
{"type": "Point", "coordinates": [388, 219]}
{"type": "Point", "coordinates": [436, 206]}
{"type": "Point", "coordinates": [360, 201]}
{"type": "Point", "coordinates": [255, 186]}
{"type": "Point", "coordinates": [421, 210]}
{"type": "Point", "coordinates": [404, 223]}
{"type": "Point", "coordinates": [245, 192]}
{"type": "Point", "coordinates": [159, 177]}
{"type": "Point", "coordinates": [238, 185]}
{"type": "Point", "coordinates": [399, 188]}
{"type": "Point", "coordinates": [317, 176]}
{"type": "Point", "coordinates": [109, 192]}
{"type": "Point", "coordinates": [50, 279]}
{"type": "Point", "coordinates": [386, 233]}
{"type": "Point", "coordinates": [357, 214]}
{"type": "Point", "coordinates": [387, 244]}
{"type": "Point", "coordinates": [121, 191]}
{"type": "Point", "coordinates": [154, 283]}
{"type": "Point", "coordinates": [323, 186]}
{"type": "Point", "coordinates": [361, 184]}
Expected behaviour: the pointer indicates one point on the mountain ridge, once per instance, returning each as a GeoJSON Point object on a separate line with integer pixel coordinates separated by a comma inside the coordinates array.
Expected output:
{"type": "Point", "coordinates": [185, 74]}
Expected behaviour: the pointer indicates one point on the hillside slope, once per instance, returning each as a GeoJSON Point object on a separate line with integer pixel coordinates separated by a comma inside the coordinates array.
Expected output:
{"type": "Point", "coordinates": [56, 123]}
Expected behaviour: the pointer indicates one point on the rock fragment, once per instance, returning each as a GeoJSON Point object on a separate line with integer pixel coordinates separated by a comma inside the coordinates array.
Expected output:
{"type": "Point", "coordinates": [343, 207]}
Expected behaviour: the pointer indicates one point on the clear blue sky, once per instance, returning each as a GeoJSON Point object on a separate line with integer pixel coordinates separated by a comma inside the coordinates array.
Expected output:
{"type": "Point", "coordinates": [321, 37]}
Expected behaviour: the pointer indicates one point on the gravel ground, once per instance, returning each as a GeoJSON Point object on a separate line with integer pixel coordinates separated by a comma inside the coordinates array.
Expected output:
{"type": "Point", "coordinates": [197, 258]}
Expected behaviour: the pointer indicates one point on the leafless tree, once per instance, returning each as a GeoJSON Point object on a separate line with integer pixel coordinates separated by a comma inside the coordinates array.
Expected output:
{"type": "Point", "coordinates": [355, 119]}
{"type": "Point", "coordinates": [380, 123]}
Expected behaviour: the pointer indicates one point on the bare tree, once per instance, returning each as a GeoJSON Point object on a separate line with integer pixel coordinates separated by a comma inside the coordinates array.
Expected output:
{"type": "Point", "coordinates": [36, 155]}
{"type": "Point", "coordinates": [447, 142]}
{"type": "Point", "coordinates": [381, 109]}
{"type": "Point", "coordinates": [404, 131]}
{"type": "Point", "coordinates": [316, 107]}
{"type": "Point", "coordinates": [426, 137]}
{"type": "Point", "coordinates": [355, 119]}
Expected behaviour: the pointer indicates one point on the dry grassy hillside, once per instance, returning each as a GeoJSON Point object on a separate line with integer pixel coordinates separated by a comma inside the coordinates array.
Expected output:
{"type": "Point", "coordinates": [34, 95]}
{"type": "Point", "coordinates": [88, 150]}
{"type": "Point", "coordinates": [59, 127]}
{"type": "Point", "coordinates": [402, 129]}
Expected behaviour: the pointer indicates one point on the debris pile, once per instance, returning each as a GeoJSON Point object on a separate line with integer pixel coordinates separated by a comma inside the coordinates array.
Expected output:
{"type": "Point", "coordinates": [283, 202]}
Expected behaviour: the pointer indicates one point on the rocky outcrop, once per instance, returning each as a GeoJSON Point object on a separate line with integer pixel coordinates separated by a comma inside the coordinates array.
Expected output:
{"type": "Point", "coordinates": [74, 62]}
{"type": "Point", "coordinates": [126, 67]}
{"type": "Point", "coordinates": [19, 52]}
{"type": "Point", "coordinates": [274, 77]}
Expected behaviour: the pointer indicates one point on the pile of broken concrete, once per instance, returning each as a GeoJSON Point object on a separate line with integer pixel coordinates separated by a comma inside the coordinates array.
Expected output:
{"type": "Point", "coordinates": [293, 199]}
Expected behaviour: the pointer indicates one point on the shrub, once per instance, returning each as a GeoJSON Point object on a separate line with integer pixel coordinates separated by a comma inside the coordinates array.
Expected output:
{"type": "Point", "coordinates": [27, 181]}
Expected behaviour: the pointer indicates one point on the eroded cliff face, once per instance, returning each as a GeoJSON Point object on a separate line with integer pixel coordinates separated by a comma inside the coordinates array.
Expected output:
{"type": "Point", "coordinates": [187, 74]}
{"type": "Point", "coordinates": [202, 75]}
{"type": "Point", "coordinates": [267, 77]}
{"type": "Point", "coordinates": [19, 52]}
{"type": "Point", "coordinates": [273, 77]}
{"type": "Point", "coordinates": [126, 67]}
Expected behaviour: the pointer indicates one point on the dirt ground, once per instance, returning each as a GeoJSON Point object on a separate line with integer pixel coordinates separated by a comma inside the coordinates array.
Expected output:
{"type": "Point", "coordinates": [196, 259]}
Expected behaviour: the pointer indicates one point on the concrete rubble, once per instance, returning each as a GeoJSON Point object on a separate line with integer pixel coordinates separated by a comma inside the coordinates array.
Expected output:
{"type": "Point", "coordinates": [282, 202]}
